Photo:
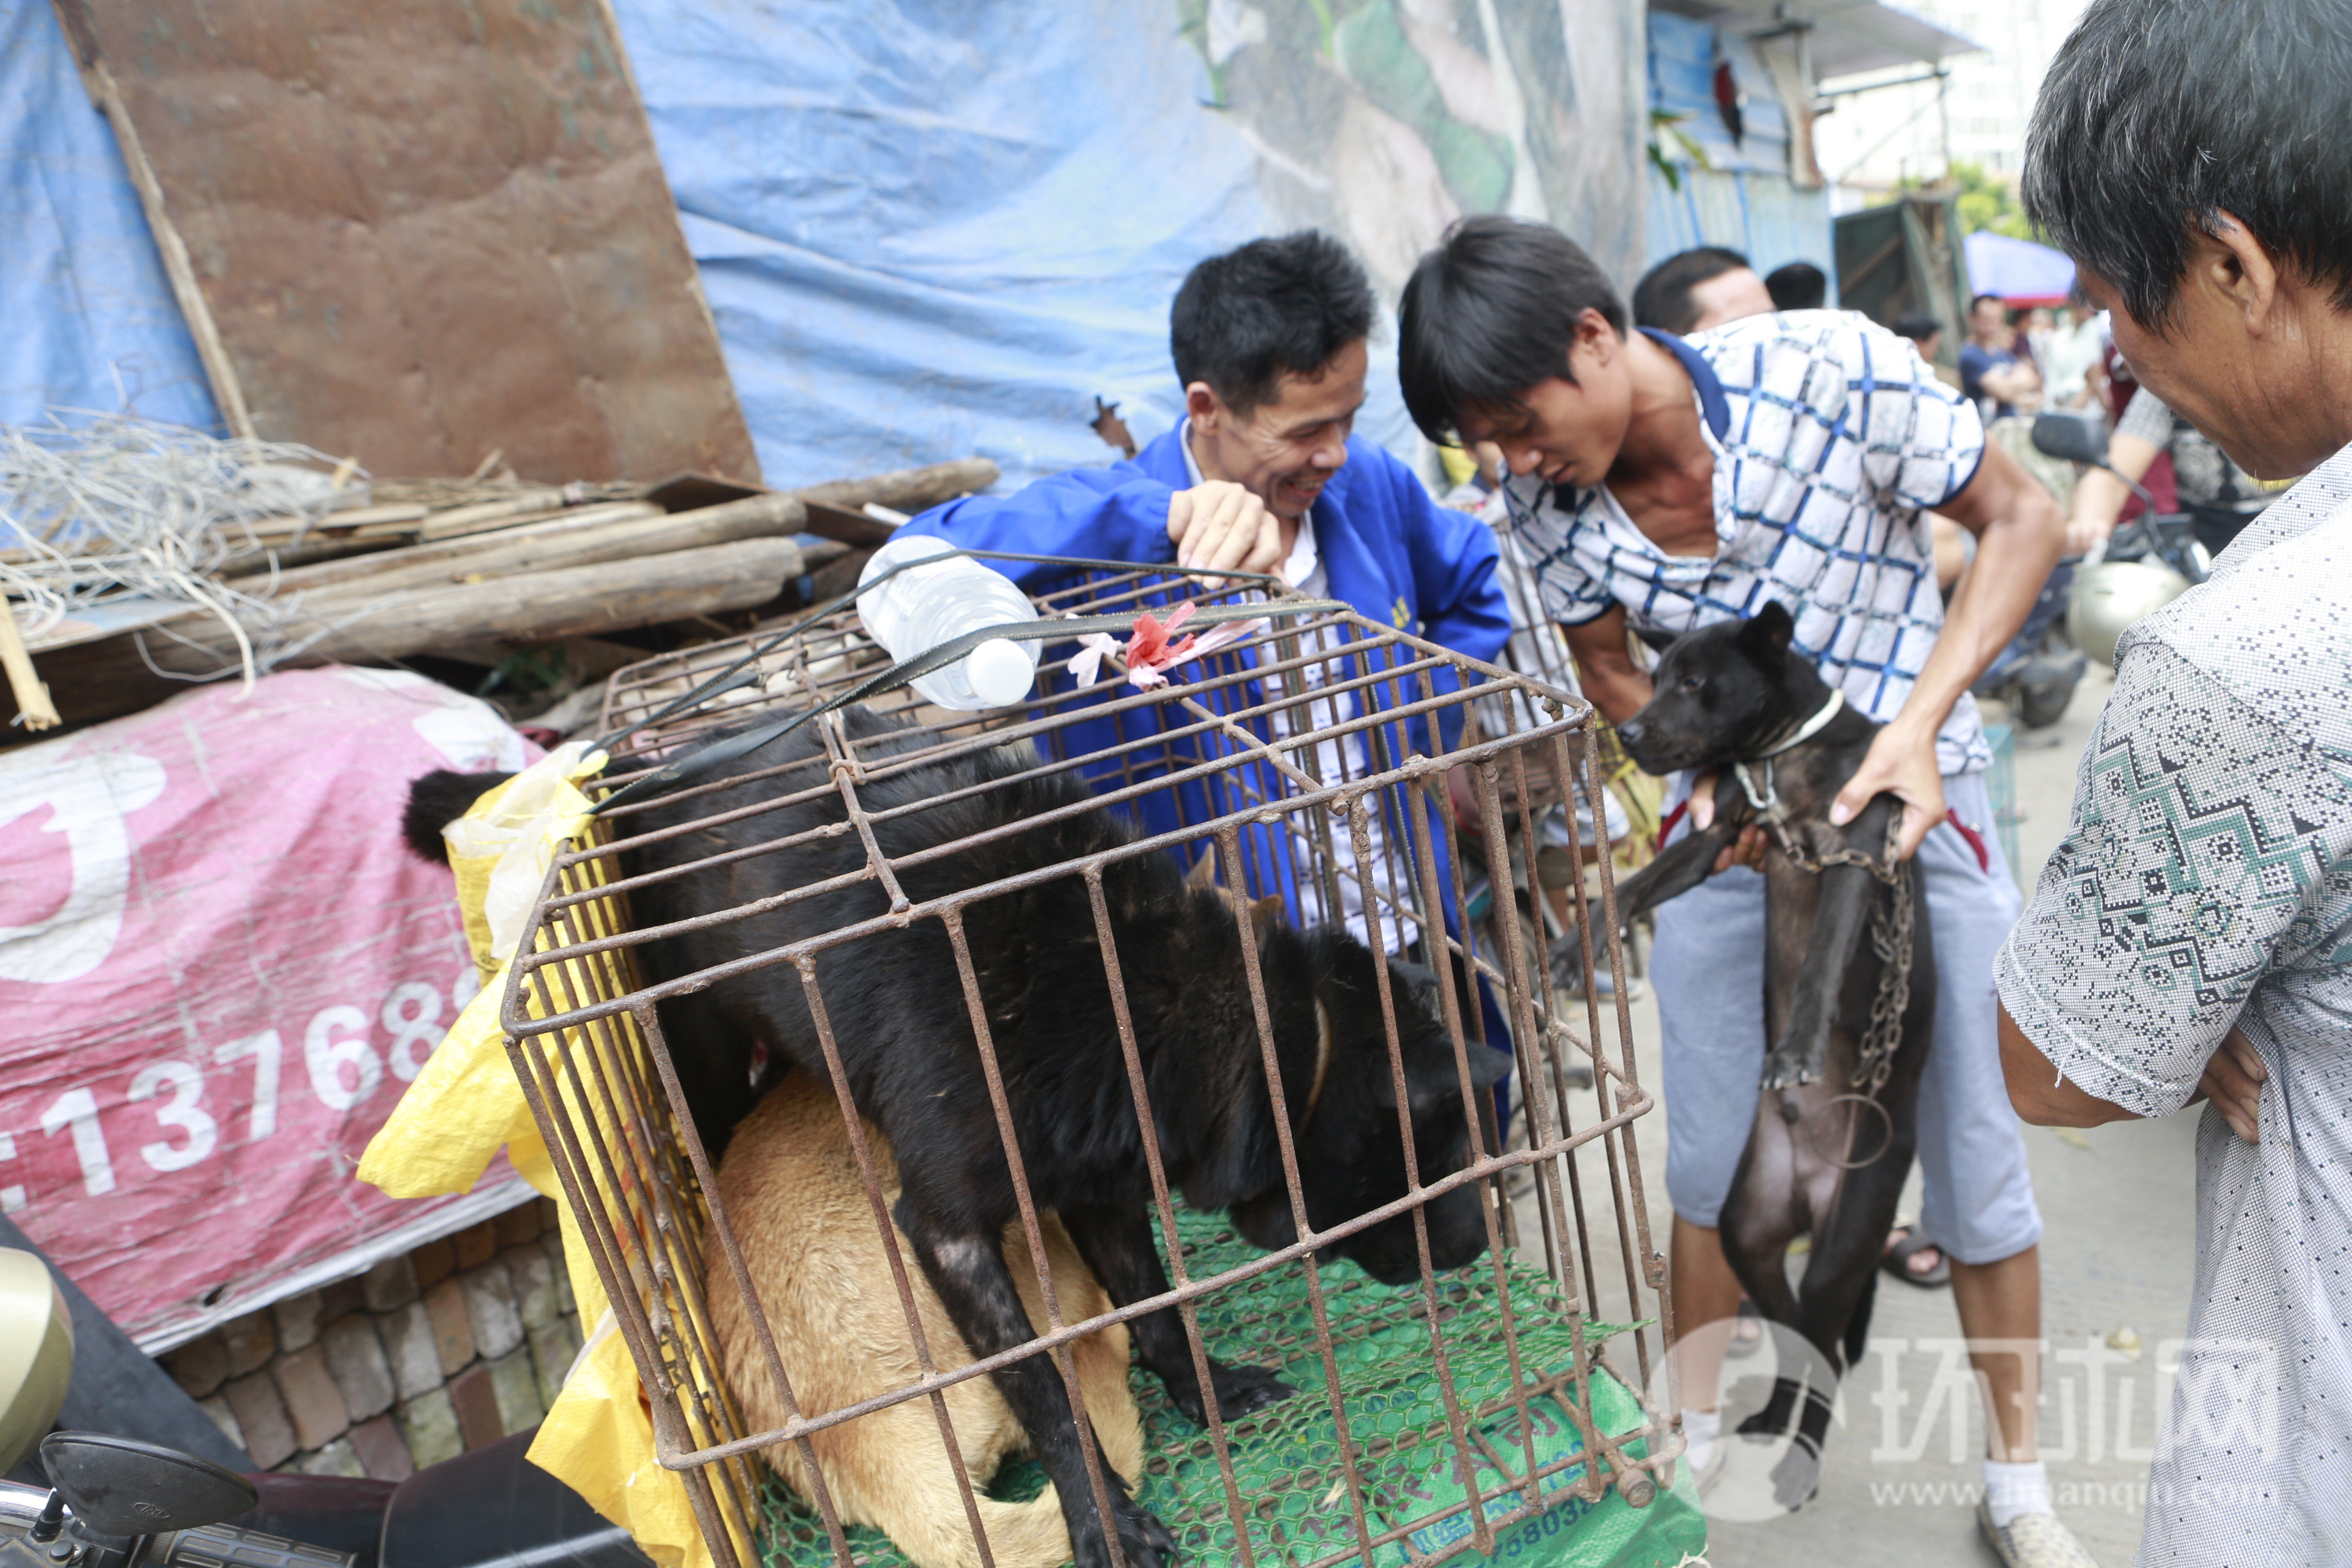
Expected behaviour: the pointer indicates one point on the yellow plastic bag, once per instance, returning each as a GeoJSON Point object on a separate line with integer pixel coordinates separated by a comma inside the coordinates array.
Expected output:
{"type": "Point", "coordinates": [466, 1104]}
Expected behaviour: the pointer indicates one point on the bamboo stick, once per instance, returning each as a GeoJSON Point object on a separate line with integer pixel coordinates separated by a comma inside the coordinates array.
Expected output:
{"type": "Point", "coordinates": [905, 489]}
{"type": "Point", "coordinates": [31, 693]}
{"type": "Point", "coordinates": [620, 541]}
{"type": "Point", "coordinates": [460, 520]}
{"type": "Point", "coordinates": [752, 518]}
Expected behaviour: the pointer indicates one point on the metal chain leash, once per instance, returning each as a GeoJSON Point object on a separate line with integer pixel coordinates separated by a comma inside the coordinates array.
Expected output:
{"type": "Point", "coordinates": [1891, 926]}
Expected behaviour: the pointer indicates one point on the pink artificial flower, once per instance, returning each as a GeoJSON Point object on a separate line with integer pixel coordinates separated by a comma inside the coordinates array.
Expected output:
{"type": "Point", "coordinates": [1150, 652]}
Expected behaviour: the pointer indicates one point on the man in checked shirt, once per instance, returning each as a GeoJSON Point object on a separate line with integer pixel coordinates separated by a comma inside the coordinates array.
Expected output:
{"type": "Point", "coordinates": [1668, 483]}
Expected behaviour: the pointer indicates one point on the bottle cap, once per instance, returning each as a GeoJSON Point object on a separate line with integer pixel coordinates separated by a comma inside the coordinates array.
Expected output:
{"type": "Point", "coordinates": [999, 672]}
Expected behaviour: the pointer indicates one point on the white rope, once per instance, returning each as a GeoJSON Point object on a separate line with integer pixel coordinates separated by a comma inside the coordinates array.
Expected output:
{"type": "Point", "coordinates": [97, 508]}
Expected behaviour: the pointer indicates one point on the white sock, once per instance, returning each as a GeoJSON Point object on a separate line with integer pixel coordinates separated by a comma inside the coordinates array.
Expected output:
{"type": "Point", "coordinates": [1701, 1430]}
{"type": "Point", "coordinates": [2012, 1489]}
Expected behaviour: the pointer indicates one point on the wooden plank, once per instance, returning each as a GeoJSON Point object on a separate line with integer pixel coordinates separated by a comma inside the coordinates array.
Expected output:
{"type": "Point", "coordinates": [541, 606]}
{"type": "Point", "coordinates": [905, 489]}
{"type": "Point", "coordinates": [765, 514]}
{"type": "Point", "coordinates": [619, 540]}
{"type": "Point", "coordinates": [415, 230]}
{"type": "Point", "coordinates": [526, 607]}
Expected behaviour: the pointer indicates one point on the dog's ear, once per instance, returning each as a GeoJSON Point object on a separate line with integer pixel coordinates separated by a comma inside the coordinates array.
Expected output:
{"type": "Point", "coordinates": [1657, 641]}
{"type": "Point", "coordinates": [1265, 913]}
{"type": "Point", "coordinates": [436, 799]}
{"type": "Point", "coordinates": [1764, 636]}
{"type": "Point", "coordinates": [1432, 1078]}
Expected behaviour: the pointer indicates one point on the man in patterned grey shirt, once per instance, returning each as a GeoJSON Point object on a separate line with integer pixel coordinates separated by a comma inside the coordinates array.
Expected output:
{"type": "Point", "coordinates": [2192, 936]}
{"type": "Point", "coordinates": [1665, 484]}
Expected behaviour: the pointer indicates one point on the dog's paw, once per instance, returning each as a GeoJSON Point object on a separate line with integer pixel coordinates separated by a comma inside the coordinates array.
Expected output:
{"type": "Point", "coordinates": [1787, 1071]}
{"type": "Point", "coordinates": [1143, 1541]}
{"type": "Point", "coordinates": [1565, 958]}
{"type": "Point", "coordinates": [1797, 1476]}
{"type": "Point", "coordinates": [1241, 1391]}
{"type": "Point", "coordinates": [1244, 1390]}
{"type": "Point", "coordinates": [1766, 1425]}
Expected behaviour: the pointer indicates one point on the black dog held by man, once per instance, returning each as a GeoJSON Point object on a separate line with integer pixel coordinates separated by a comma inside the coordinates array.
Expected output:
{"type": "Point", "coordinates": [1832, 1138]}
{"type": "Point", "coordinates": [896, 1008]}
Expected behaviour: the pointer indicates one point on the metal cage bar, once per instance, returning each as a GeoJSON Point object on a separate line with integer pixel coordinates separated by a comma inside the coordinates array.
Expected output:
{"type": "Point", "coordinates": [1308, 760]}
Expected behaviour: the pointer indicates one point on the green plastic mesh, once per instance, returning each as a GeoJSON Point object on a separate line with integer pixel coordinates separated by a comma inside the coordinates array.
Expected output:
{"type": "Point", "coordinates": [1293, 1491]}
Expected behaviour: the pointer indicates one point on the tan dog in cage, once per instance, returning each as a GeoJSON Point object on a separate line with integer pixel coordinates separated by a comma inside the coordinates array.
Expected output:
{"type": "Point", "coordinates": [793, 1194]}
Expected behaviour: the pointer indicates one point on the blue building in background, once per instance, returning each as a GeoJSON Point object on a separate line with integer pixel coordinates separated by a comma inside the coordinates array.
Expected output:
{"type": "Point", "coordinates": [1734, 86]}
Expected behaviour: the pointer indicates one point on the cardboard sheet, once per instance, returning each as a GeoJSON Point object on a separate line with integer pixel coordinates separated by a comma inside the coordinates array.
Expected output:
{"type": "Point", "coordinates": [413, 231]}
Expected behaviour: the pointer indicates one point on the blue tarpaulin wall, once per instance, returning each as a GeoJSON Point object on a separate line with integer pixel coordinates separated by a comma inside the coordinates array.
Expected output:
{"type": "Point", "coordinates": [925, 230]}
{"type": "Point", "coordinates": [87, 317]}
{"type": "Point", "coordinates": [929, 231]}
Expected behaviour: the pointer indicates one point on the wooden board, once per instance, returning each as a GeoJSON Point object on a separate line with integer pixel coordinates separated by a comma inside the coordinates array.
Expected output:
{"type": "Point", "coordinates": [413, 231]}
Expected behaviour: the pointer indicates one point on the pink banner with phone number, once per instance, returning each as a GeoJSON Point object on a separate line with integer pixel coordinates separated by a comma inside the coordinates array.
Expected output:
{"type": "Point", "coordinates": [218, 968]}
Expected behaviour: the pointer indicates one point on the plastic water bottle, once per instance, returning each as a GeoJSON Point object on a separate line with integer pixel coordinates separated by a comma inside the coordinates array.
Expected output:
{"type": "Point", "coordinates": [924, 607]}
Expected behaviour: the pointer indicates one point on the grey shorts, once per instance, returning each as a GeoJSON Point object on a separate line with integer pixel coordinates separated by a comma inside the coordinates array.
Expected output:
{"type": "Point", "coordinates": [1708, 968]}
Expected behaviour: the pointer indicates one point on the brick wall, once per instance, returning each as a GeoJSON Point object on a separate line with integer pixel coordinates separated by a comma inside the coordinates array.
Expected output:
{"type": "Point", "coordinates": [455, 1345]}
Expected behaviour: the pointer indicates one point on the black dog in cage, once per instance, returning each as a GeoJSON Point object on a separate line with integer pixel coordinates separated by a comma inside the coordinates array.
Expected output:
{"type": "Point", "coordinates": [897, 1004]}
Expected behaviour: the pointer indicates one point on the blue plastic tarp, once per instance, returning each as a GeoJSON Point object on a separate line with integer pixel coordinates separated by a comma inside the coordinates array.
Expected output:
{"type": "Point", "coordinates": [938, 230]}
{"type": "Point", "coordinates": [930, 230]}
{"type": "Point", "coordinates": [88, 314]}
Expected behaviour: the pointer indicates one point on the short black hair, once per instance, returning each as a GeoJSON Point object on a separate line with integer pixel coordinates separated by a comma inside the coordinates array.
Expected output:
{"type": "Point", "coordinates": [2160, 115]}
{"type": "Point", "coordinates": [1245, 320]}
{"type": "Point", "coordinates": [1918, 325]}
{"type": "Point", "coordinates": [1663, 298]}
{"type": "Point", "coordinates": [1980, 299]}
{"type": "Point", "coordinates": [1799, 286]}
{"type": "Point", "coordinates": [1490, 314]}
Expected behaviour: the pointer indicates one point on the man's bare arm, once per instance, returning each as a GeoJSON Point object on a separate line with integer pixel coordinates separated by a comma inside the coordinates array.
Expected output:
{"type": "Point", "coordinates": [2042, 1095]}
{"type": "Point", "coordinates": [2018, 535]}
{"type": "Point", "coordinates": [1613, 682]}
{"type": "Point", "coordinates": [2011, 382]}
{"type": "Point", "coordinates": [2099, 496]}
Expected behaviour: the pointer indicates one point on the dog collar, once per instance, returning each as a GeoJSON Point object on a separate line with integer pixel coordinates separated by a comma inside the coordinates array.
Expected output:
{"type": "Point", "coordinates": [1322, 1059]}
{"type": "Point", "coordinates": [1810, 728]}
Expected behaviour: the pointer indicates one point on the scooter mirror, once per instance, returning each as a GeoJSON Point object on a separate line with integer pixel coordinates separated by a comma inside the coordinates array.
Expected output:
{"type": "Point", "coordinates": [2075, 438]}
{"type": "Point", "coordinates": [120, 1487]}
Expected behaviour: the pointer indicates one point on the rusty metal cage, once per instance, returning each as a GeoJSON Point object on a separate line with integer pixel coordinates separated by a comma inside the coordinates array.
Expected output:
{"type": "Point", "coordinates": [1309, 758]}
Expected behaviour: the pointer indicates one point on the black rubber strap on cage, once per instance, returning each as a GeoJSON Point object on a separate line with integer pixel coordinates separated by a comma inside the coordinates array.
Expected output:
{"type": "Point", "coordinates": [741, 672]}
{"type": "Point", "coordinates": [698, 764]}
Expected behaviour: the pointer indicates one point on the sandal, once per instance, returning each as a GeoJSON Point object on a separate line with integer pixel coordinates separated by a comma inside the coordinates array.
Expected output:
{"type": "Point", "coordinates": [2034, 1541]}
{"type": "Point", "coordinates": [1897, 1260]}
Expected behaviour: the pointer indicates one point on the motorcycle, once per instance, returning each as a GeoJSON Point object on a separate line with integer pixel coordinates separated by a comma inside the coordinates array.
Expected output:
{"type": "Point", "coordinates": [120, 1502]}
{"type": "Point", "coordinates": [2145, 563]}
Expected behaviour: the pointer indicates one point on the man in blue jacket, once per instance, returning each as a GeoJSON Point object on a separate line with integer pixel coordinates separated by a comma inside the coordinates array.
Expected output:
{"type": "Point", "coordinates": [1262, 474]}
